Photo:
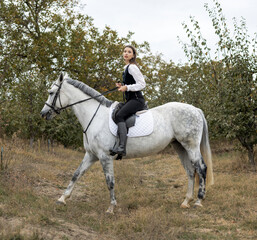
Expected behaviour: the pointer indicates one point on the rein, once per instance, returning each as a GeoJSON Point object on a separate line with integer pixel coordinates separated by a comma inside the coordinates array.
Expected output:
{"type": "Point", "coordinates": [57, 94]}
{"type": "Point", "coordinates": [58, 110]}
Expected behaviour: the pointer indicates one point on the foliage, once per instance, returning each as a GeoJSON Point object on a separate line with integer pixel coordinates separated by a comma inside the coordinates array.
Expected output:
{"type": "Point", "coordinates": [20, 113]}
{"type": "Point", "coordinates": [226, 82]}
{"type": "Point", "coordinates": [163, 80]}
{"type": "Point", "coordinates": [39, 39]}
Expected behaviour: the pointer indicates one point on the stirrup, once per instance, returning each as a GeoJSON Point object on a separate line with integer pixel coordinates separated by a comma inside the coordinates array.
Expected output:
{"type": "Point", "coordinates": [112, 152]}
{"type": "Point", "coordinates": [121, 150]}
{"type": "Point", "coordinates": [119, 157]}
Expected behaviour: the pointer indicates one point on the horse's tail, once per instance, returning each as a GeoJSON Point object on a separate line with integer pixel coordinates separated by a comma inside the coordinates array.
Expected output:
{"type": "Point", "coordinates": [206, 152]}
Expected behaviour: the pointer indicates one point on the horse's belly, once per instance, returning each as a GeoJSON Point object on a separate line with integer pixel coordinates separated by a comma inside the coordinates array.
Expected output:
{"type": "Point", "coordinates": [145, 146]}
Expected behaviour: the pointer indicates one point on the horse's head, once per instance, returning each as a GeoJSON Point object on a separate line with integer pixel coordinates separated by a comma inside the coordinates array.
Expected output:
{"type": "Point", "coordinates": [56, 100]}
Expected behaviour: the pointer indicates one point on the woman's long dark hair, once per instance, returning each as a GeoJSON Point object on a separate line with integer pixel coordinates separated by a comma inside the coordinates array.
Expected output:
{"type": "Point", "coordinates": [132, 60]}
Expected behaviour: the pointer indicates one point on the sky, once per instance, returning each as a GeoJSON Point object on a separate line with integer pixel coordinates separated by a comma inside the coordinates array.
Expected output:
{"type": "Point", "coordinates": [159, 22]}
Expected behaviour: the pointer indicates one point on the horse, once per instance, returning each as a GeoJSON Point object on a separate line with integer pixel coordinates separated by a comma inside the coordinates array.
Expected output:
{"type": "Point", "coordinates": [181, 125]}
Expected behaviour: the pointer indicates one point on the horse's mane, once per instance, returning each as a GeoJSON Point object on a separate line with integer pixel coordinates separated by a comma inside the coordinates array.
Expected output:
{"type": "Point", "coordinates": [90, 91]}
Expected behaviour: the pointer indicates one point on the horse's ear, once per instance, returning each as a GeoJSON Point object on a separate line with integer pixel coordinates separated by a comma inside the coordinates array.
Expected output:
{"type": "Point", "coordinates": [66, 75]}
{"type": "Point", "coordinates": [61, 77]}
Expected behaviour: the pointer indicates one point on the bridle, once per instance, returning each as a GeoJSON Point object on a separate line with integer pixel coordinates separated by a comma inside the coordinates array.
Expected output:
{"type": "Point", "coordinates": [57, 95]}
{"type": "Point", "coordinates": [58, 110]}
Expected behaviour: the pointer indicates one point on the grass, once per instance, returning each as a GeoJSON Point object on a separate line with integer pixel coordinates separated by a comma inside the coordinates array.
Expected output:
{"type": "Point", "coordinates": [149, 192]}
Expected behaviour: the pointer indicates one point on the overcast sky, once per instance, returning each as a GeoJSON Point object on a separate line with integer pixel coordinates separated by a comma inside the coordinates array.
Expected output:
{"type": "Point", "coordinates": [159, 22]}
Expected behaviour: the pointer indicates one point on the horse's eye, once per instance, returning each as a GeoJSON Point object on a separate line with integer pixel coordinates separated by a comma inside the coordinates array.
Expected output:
{"type": "Point", "coordinates": [51, 93]}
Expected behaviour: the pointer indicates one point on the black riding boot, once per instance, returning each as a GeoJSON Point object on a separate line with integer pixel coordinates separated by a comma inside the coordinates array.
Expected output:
{"type": "Point", "coordinates": [122, 132]}
{"type": "Point", "coordinates": [120, 145]}
{"type": "Point", "coordinates": [113, 150]}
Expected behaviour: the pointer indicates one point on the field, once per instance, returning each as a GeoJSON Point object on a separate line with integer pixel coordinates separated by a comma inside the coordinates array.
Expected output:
{"type": "Point", "coordinates": [149, 192]}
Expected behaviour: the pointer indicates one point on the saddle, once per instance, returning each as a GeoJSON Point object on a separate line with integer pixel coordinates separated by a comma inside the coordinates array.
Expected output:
{"type": "Point", "coordinates": [131, 120]}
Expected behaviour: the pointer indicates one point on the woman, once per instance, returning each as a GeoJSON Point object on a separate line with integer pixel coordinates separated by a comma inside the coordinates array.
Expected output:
{"type": "Point", "coordinates": [133, 83]}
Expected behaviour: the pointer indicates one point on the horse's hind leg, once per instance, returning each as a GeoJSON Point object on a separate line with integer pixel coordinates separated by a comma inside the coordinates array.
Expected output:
{"type": "Point", "coordinates": [87, 161]}
{"type": "Point", "coordinates": [190, 173]}
{"type": "Point", "coordinates": [201, 169]}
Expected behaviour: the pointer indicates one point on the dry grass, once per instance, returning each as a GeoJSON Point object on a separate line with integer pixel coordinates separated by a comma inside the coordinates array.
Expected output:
{"type": "Point", "coordinates": [149, 192]}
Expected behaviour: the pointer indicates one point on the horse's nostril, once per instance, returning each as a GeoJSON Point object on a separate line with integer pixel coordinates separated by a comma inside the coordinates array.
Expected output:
{"type": "Point", "coordinates": [43, 114]}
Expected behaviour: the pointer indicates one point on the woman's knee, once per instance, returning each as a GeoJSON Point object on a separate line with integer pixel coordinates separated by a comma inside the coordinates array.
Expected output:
{"type": "Point", "coordinates": [119, 117]}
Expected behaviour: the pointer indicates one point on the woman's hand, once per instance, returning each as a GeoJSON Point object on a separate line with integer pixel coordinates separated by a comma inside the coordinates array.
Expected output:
{"type": "Point", "coordinates": [121, 88]}
{"type": "Point", "coordinates": [118, 84]}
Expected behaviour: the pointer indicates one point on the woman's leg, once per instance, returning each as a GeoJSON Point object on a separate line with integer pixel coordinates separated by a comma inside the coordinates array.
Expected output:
{"type": "Point", "coordinates": [130, 107]}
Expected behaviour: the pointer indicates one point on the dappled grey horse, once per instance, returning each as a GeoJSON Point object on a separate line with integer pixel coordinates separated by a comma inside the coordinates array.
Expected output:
{"type": "Point", "coordinates": [180, 124]}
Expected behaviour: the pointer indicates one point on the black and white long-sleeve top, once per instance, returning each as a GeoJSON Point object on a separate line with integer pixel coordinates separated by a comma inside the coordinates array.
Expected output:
{"type": "Point", "coordinates": [138, 77]}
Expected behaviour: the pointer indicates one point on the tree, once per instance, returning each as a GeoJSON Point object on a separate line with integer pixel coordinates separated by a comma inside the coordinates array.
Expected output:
{"type": "Point", "coordinates": [226, 81]}
{"type": "Point", "coordinates": [35, 39]}
{"type": "Point", "coordinates": [39, 39]}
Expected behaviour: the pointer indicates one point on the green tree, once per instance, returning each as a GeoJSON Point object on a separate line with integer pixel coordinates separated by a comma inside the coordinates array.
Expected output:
{"type": "Point", "coordinates": [39, 39]}
{"type": "Point", "coordinates": [167, 82]}
{"type": "Point", "coordinates": [35, 39]}
{"type": "Point", "coordinates": [226, 81]}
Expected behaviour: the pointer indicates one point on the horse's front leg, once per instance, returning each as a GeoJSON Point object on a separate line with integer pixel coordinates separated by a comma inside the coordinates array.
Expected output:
{"type": "Point", "coordinates": [86, 163]}
{"type": "Point", "coordinates": [107, 164]}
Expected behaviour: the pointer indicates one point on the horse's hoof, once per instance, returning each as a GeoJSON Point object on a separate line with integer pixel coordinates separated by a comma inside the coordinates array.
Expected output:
{"type": "Point", "coordinates": [198, 204]}
{"type": "Point", "coordinates": [185, 206]}
{"type": "Point", "coordinates": [110, 210]}
{"type": "Point", "coordinates": [61, 200]}
{"type": "Point", "coordinates": [60, 203]}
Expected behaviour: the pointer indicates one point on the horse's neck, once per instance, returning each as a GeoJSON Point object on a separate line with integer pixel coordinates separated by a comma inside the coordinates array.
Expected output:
{"type": "Point", "coordinates": [84, 111]}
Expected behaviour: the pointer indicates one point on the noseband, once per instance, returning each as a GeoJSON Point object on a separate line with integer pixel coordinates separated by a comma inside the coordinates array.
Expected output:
{"type": "Point", "coordinates": [57, 94]}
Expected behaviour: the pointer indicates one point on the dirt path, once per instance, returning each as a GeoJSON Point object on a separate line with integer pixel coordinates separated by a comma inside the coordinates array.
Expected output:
{"type": "Point", "coordinates": [63, 230]}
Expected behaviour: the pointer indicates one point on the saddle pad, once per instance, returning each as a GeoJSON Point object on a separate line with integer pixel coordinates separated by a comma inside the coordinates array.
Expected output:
{"type": "Point", "coordinates": [143, 125]}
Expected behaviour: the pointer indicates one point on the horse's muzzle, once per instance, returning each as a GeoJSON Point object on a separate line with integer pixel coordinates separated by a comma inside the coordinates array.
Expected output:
{"type": "Point", "coordinates": [47, 114]}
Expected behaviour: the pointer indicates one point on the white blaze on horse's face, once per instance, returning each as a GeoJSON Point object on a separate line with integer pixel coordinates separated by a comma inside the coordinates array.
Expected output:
{"type": "Point", "coordinates": [46, 111]}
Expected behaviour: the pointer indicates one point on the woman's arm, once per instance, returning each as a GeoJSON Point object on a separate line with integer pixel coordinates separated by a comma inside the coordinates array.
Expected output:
{"type": "Point", "coordinates": [139, 78]}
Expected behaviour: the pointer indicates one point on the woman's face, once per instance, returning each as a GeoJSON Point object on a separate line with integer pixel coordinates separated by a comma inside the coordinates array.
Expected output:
{"type": "Point", "coordinates": [128, 54]}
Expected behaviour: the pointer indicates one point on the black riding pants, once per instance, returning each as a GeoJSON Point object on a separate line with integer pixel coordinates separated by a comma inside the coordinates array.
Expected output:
{"type": "Point", "coordinates": [129, 108]}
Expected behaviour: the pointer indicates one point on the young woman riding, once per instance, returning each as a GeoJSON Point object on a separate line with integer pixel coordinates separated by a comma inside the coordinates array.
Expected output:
{"type": "Point", "coordinates": [133, 83]}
